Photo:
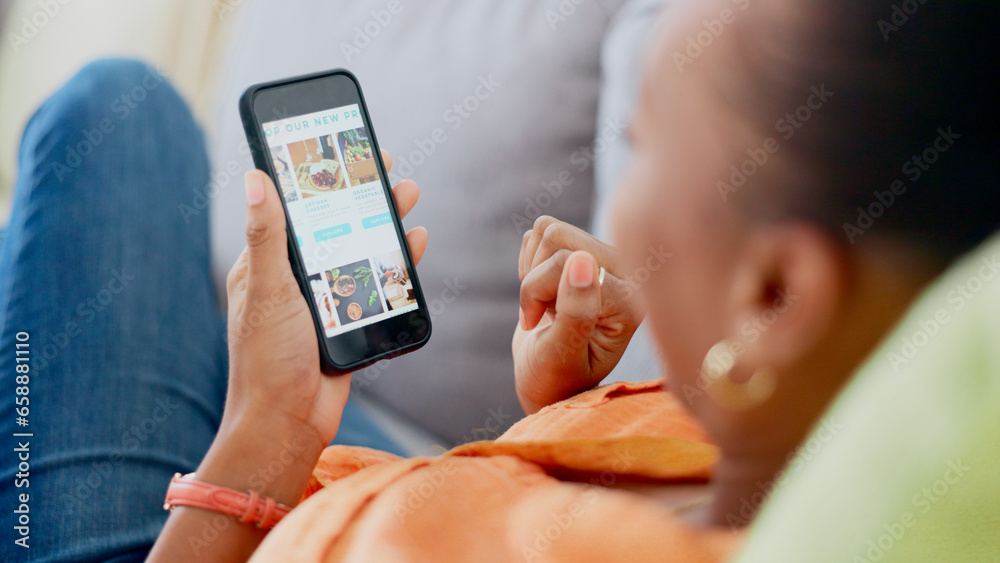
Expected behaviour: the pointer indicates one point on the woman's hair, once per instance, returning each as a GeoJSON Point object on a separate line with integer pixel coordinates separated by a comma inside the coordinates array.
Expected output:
{"type": "Point", "coordinates": [883, 105]}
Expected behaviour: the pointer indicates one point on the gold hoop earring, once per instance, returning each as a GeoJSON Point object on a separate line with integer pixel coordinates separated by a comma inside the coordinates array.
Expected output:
{"type": "Point", "coordinates": [719, 362]}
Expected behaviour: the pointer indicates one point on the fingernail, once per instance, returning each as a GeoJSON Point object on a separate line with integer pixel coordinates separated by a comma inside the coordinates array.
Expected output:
{"type": "Point", "coordinates": [581, 273]}
{"type": "Point", "coordinates": [520, 315]}
{"type": "Point", "coordinates": [255, 188]}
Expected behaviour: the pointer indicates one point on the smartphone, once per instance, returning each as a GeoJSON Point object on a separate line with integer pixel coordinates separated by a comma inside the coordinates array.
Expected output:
{"type": "Point", "coordinates": [312, 134]}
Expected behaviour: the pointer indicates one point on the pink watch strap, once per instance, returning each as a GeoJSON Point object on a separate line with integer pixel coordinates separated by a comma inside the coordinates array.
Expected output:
{"type": "Point", "coordinates": [248, 508]}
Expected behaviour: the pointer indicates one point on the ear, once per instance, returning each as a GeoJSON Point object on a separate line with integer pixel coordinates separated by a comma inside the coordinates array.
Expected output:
{"type": "Point", "coordinates": [787, 292]}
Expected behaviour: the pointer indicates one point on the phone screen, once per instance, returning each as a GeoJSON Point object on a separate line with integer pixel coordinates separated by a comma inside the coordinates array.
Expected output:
{"type": "Point", "coordinates": [330, 179]}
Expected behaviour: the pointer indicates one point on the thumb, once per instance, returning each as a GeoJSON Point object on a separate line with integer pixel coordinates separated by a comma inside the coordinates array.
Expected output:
{"type": "Point", "coordinates": [267, 240]}
{"type": "Point", "coordinates": [578, 307]}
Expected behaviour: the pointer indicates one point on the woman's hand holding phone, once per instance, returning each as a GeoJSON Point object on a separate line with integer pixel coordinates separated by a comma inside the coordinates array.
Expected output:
{"type": "Point", "coordinates": [573, 329]}
{"type": "Point", "coordinates": [281, 410]}
{"type": "Point", "coordinates": [273, 350]}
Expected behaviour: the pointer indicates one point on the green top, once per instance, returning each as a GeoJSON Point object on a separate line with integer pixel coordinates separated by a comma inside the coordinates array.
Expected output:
{"type": "Point", "coordinates": [906, 464]}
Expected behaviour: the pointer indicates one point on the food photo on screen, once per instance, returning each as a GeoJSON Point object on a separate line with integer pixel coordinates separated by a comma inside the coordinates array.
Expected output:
{"type": "Point", "coordinates": [316, 166]}
{"type": "Point", "coordinates": [355, 291]}
{"type": "Point", "coordinates": [286, 179]}
{"type": "Point", "coordinates": [357, 150]}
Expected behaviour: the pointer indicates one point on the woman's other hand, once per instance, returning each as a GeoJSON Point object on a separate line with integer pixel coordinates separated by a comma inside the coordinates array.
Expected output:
{"type": "Point", "coordinates": [573, 329]}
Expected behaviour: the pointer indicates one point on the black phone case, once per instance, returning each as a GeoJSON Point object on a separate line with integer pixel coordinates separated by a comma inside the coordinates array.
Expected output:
{"type": "Point", "coordinates": [259, 153]}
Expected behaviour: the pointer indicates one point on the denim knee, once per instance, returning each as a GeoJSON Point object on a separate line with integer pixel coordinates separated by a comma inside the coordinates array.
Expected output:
{"type": "Point", "coordinates": [101, 113]}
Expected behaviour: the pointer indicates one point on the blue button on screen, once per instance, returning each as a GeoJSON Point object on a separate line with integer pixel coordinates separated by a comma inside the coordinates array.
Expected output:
{"type": "Point", "coordinates": [333, 232]}
{"type": "Point", "coordinates": [376, 220]}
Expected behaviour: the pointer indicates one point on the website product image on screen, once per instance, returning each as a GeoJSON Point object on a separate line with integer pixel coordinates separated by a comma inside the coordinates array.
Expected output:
{"type": "Point", "coordinates": [329, 178]}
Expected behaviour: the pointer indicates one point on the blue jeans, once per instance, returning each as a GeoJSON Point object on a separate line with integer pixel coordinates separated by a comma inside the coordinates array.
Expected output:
{"type": "Point", "coordinates": [104, 273]}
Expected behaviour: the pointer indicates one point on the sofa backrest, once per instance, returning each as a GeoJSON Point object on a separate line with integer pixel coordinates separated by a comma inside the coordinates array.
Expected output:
{"type": "Point", "coordinates": [490, 106]}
